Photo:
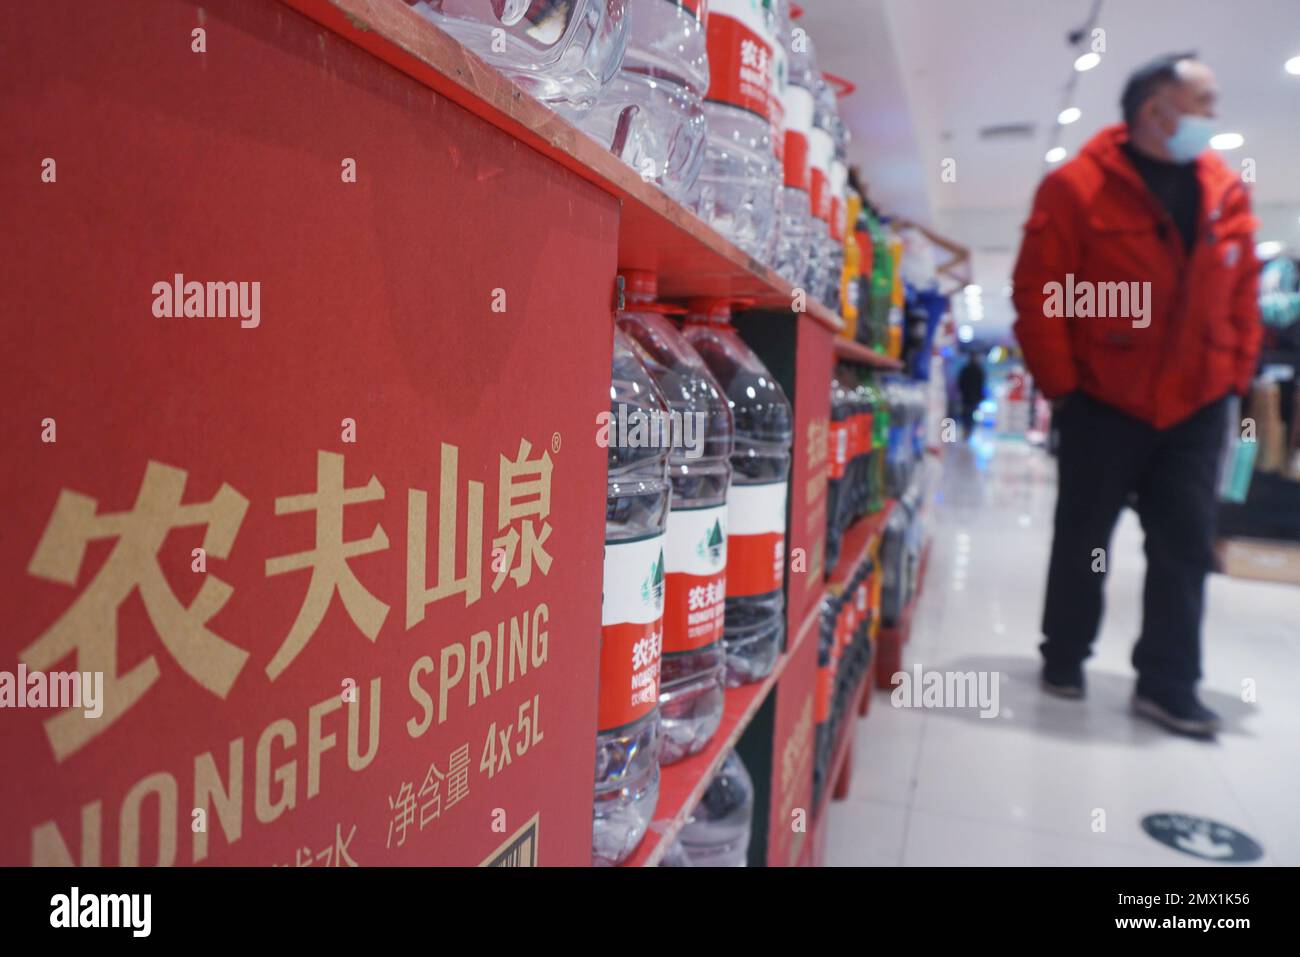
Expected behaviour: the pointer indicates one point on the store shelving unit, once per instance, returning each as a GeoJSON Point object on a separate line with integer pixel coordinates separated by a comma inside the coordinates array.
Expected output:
{"type": "Point", "coordinates": [849, 351]}
{"type": "Point", "coordinates": [457, 164]}
{"type": "Point", "coordinates": [681, 785]}
{"type": "Point", "coordinates": [654, 233]}
{"type": "Point", "coordinates": [892, 638]}
{"type": "Point", "coordinates": [859, 539]}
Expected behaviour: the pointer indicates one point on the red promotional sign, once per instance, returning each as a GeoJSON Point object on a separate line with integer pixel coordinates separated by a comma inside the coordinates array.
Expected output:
{"type": "Point", "coordinates": [322, 517]}
{"type": "Point", "coordinates": [792, 749]}
{"type": "Point", "coordinates": [810, 466]}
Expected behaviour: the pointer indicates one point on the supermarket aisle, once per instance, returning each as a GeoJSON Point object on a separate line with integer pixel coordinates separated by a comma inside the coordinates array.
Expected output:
{"type": "Point", "coordinates": [947, 787]}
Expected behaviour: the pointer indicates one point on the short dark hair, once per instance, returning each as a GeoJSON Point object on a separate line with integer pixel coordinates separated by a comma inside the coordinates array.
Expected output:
{"type": "Point", "coordinates": [1147, 79]}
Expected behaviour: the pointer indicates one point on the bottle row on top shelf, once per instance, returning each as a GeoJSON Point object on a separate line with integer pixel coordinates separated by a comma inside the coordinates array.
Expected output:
{"type": "Point", "coordinates": [719, 102]}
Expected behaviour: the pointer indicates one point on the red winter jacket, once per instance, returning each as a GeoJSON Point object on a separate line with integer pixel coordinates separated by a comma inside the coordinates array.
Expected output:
{"type": "Point", "coordinates": [1188, 338]}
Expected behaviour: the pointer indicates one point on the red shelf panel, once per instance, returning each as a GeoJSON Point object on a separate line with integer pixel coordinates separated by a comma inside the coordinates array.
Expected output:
{"type": "Point", "coordinates": [858, 540]}
{"type": "Point", "coordinates": [849, 351]}
{"type": "Point", "coordinates": [691, 258]}
{"type": "Point", "coordinates": [681, 785]}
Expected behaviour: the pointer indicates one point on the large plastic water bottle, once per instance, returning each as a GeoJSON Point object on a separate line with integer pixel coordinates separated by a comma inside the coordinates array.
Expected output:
{"type": "Point", "coordinates": [560, 51]}
{"type": "Point", "coordinates": [780, 76]}
{"type": "Point", "coordinates": [651, 114]}
{"type": "Point", "coordinates": [737, 188]}
{"type": "Point", "coordinates": [821, 152]}
{"type": "Point", "coordinates": [760, 464]}
{"type": "Point", "coordinates": [695, 548]}
{"type": "Point", "coordinates": [718, 831]}
{"type": "Point", "coordinates": [631, 617]}
{"type": "Point", "coordinates": [829, 179]}
{"type": "Point", "coordinates": [793, 245]}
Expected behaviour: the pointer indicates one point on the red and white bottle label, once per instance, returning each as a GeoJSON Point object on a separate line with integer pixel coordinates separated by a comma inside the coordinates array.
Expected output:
{"type": "Point", "coordinates": [695, 558]}
{"type": "Point", "coordinates": [837, 181]}
{"type": "Point", "coordinates": [740, 56]}
{"type": "Point", "coordinates": [798, 122]}
{"type": "Point", "coordinates": [838, 451]}
{"type": "Point", "coordinates": [756, 540]}
{"type": "Point", "coordinates": [696, 8]}
{"type": "Point", "coordinates": [821, 149]}
{"type": "Point", "coordinates": [776, 106]}
{"type": "Point", "coordinates": [631, 631]}
{"type": "Point", "coordinates": [824, 688]}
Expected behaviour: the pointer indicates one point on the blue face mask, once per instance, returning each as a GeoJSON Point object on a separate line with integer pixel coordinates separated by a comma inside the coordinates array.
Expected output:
{"type": "Point", "coordinates": [1190, 138]}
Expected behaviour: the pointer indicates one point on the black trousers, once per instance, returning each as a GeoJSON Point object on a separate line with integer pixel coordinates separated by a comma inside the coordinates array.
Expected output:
{"type": "Point", "coordinates": [968, 419]}
{"type": "Point", "coordinates": [1108, 459]}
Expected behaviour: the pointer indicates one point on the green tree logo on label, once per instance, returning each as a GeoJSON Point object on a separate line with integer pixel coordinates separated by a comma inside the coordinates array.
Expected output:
{"type": "Point", "coordinates": [652, 589]}
{"type": "Point", "coordinates": [711, 545]}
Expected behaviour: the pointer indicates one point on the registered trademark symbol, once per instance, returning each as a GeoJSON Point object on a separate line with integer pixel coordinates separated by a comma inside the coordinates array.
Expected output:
{"type": "Point", "coordinates": [555, 442]}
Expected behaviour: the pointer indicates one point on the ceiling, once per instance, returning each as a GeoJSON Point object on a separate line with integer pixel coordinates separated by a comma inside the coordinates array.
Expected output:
{"type": "Point", "coordinates": [931, 73]}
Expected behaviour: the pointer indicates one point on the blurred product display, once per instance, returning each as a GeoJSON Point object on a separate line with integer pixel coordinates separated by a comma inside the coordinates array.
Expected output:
{"type": "Point", "coordinates": [846, 627]}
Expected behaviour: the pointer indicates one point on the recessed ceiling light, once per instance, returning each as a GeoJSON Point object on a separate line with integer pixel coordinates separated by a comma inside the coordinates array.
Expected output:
{"type": "Point", "coordinates": [1069, 115]}
{"type": "Point", "coordinates": [1268, 249]}
{"type": "Point", "coordinates": [1087, 62]}
{"type": "Point", "coordinates": [1055, 154]}
{"type": "Point", "coordinates": [973, 289]}
{"type": "Point", "coordinates": [1293, 66]}
{"type": "Point", "coordinates": [1227, 141]}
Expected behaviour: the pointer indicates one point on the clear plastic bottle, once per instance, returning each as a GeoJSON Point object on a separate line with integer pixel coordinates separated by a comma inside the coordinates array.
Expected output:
{"type": "Point", "coordinates": [636, 514]}
{"type": "Point", "coordinates": [560, 51]}
{"type": "Point", "coordinates": [828, 131]}
{"type": "Point", "coordinates": [780, 76]}
{"type": "Point", "coordinates": [651, 113]}
{"type": "Point", "coordinates": [695, 548]}
{"type": "Point", "coordinates": [718, 831]}
{"type": "Point", "coordinates": [796, 215]}
{"type": "Point", "coordinates": [821, 152]}
{"type": "Point", "coordinates": [738, 185]}
{"type": "Point", "coordinates": [754, 629]}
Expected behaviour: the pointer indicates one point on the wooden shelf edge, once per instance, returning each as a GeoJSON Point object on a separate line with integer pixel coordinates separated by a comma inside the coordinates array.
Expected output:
{"type": "Point", "coordinates": [849, 351]}
{"type": "Point", "coordinates": [741, 705]}
{"type": "Point", "coordinates": [858, 539]}
{"type": "Point", "coordinates": [397, 35]}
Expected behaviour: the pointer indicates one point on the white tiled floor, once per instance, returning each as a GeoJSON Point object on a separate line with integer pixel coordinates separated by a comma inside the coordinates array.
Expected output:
{"type": "Point", "coordinates": [944, 786]}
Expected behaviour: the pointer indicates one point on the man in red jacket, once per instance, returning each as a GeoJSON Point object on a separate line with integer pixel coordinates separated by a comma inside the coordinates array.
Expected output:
{"type": "Point", "coordinates": [1137, 309]}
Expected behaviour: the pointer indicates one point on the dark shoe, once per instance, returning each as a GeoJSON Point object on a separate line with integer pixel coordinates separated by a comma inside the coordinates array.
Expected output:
{"type": "Point", "coordinates": [1181, 712]}
{"type": "Point", "coordinates": [1063, 680]}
